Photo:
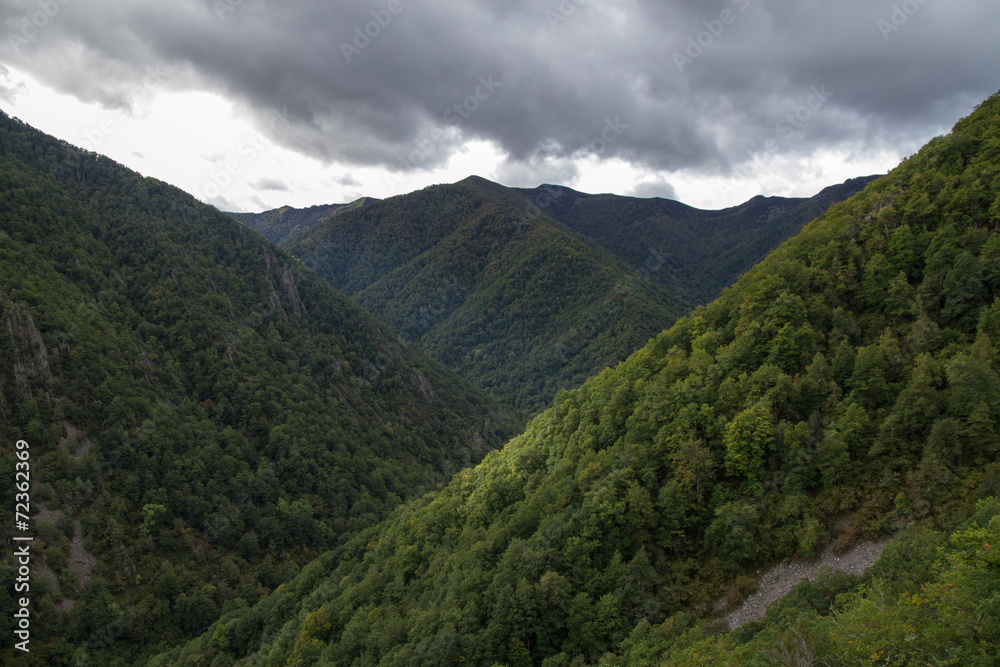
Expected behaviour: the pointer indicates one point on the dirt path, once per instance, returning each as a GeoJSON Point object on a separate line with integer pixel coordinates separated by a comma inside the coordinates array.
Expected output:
{"type": "Point", "coordinates": [779, 580]}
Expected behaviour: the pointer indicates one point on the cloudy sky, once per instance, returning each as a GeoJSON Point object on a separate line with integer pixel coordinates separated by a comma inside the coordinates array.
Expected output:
{"type": "Point", "coordinates": [253, 104]}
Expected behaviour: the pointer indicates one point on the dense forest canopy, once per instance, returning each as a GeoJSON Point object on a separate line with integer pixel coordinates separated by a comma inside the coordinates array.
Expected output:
{"type": "Point", "coordinates": [692, 253]}
{"type": "Point", "coordinates": [205, 414]}
{"type": "Point", "coordinates": [511, 301]}
{"type": "Point", "coordinates": [283, 224]}
{"type": "Point", "coordinates": [526, 292]}
{"type": "Point", "coordinates": [847, 387]}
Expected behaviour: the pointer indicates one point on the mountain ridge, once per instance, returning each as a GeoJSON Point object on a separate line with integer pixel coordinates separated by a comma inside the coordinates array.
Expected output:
{"type": "Point", "coordinates": [489, 289]}
{"type": "Point", "coordinates": [846, 387]}
{"type": "Point", "coordinates": [205, 415]}
{"type": "Point", "coordinates": [475, 249]}
{"type": "Point", "coordinates": [692, 252]}
{"type": "Point", "coordinates": [283, 224]}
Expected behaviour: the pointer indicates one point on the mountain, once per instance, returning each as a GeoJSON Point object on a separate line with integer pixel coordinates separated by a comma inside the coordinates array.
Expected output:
{"type": "Point", "coordinates": [845, 388]}
{"type": "Point", "coordinates": [527, 292]}
{"type": "Point", "coordinates": [204, 414]}
{"type": "Point", "coordinates": [693, 253]}
{"type": "Point", "coordinates": [514, 302]}
{"type": "Point", "coordinates": [284, 224]}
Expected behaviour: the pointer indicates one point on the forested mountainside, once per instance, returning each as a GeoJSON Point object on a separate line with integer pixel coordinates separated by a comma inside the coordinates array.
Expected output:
{"type": "Point", "coordinates": [205, 414]}
{"type": "Point", "coordinates": [850, 379]}
{"type": "Point", "coordinates": [693, 253]}
{"type": "Point", "coordinates": [286, 223]}
{"type": "Point", "coordinates": [530, 291]}
{"type": "Point", "coordinates": [512, 301]}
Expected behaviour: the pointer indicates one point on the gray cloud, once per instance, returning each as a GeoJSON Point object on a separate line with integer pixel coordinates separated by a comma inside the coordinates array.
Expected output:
{"type": "Point", "coordinates": [558, 71]}
{"type": "Point", "coordinates": [270, 184]}
{"type": "Point", "coordinates": [655, 188]}
{"type": "Point", "coordinates": [8, 89]}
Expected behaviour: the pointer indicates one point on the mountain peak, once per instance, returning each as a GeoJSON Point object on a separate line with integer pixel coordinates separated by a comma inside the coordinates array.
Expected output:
{"type": "Point", "coordinates": [477, 180]}
{"type": "Point", "coordinates": [846, 387]}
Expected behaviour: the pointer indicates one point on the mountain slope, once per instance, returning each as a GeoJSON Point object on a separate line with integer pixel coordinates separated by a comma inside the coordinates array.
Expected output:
{"type": "Point", "coordinates": [511, 301]}
{"type": "Point", "coordinates": [693, 253]}
{"type": "Point", "coordinates": [286, 223]}
{"type": "Point", "coordinates": [530, 291]}
{"type": "Point", "coordinates": [204, 414]}
{"type": "Point", "coordinates": [848, 385]}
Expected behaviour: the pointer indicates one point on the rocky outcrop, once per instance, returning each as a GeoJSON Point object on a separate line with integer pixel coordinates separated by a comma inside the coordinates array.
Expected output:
{"type": "Point", "coordinates": [30, 358]}
{"type": "Point", "coordinates": [24, 361]}
{"type": "Point", "coordinates": [780, 579]}
{"type": "Point", "coordinates": [287, 282]}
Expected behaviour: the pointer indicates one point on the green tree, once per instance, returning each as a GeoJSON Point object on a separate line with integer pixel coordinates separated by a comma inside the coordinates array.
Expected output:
{"type": "Point", "coordinates": [731, 535]}
{"type": "Point", "coordinates": [152, 517]}
{"type": "Point", "coordinates": [747, 438]}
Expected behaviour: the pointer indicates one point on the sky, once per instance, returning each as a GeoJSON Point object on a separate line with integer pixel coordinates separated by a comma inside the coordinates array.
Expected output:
{"type": "Point", "coordinates": [254, 104]}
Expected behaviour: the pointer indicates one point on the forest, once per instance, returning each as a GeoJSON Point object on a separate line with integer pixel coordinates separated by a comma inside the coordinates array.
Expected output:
{"type": "Point", "coordinates": [845, 388]}
{"type": "Point", "coordinates": [693, 253]}
{"type": "Point", "coordinates": [527, 292]}
{"type": "Point", "coordinates": [284, 224]}
{"type": "Point", "coordinates": [511, 301]}
{"type": "Point", "coordinates": [205, 415]}
{"type": "Point", "coordinates": [233, 463]}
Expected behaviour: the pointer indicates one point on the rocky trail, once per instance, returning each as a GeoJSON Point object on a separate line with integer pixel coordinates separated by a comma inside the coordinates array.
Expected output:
{"type": "Point", "coordinates": [780, 579]}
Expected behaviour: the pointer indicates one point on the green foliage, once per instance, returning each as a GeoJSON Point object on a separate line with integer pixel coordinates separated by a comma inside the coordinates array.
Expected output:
{"type": "Point", "coordinates": [607, 532]}
{"type": "Point", "coordinates": [512, 301]}
{"type": "Point", "coordinates": [152, 514]}
{"type": "Point", "coordinates": [205, 415]}
{"type": "Point", "coordinates": [692, 253]}
{"type": "Point", "coordinates": [927, 601]}
{"type": "Point", "coordinates": [731, 534]}
{"type": "Point", "coordinates": [530, 292]}
{"type": "Point", "coordinates": [284, 224]}
{"type": "Point", "coordinates": [748, 437]}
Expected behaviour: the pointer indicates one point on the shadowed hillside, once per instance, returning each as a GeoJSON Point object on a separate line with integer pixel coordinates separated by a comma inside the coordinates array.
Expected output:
{"type": "Point", "coordinates": [205, 414]}
{"type": "Point", "coordinates": [528, 292]}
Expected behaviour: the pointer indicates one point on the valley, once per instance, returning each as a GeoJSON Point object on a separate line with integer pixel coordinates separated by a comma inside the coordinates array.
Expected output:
{"type": "Point", "coordinates": [498, 426]}
{"type": "Point", "coordinates": [527, 292]}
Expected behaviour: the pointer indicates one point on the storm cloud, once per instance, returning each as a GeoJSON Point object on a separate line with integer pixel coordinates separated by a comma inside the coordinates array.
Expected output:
{"type": "Point", "coordinates": [690, 85]}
